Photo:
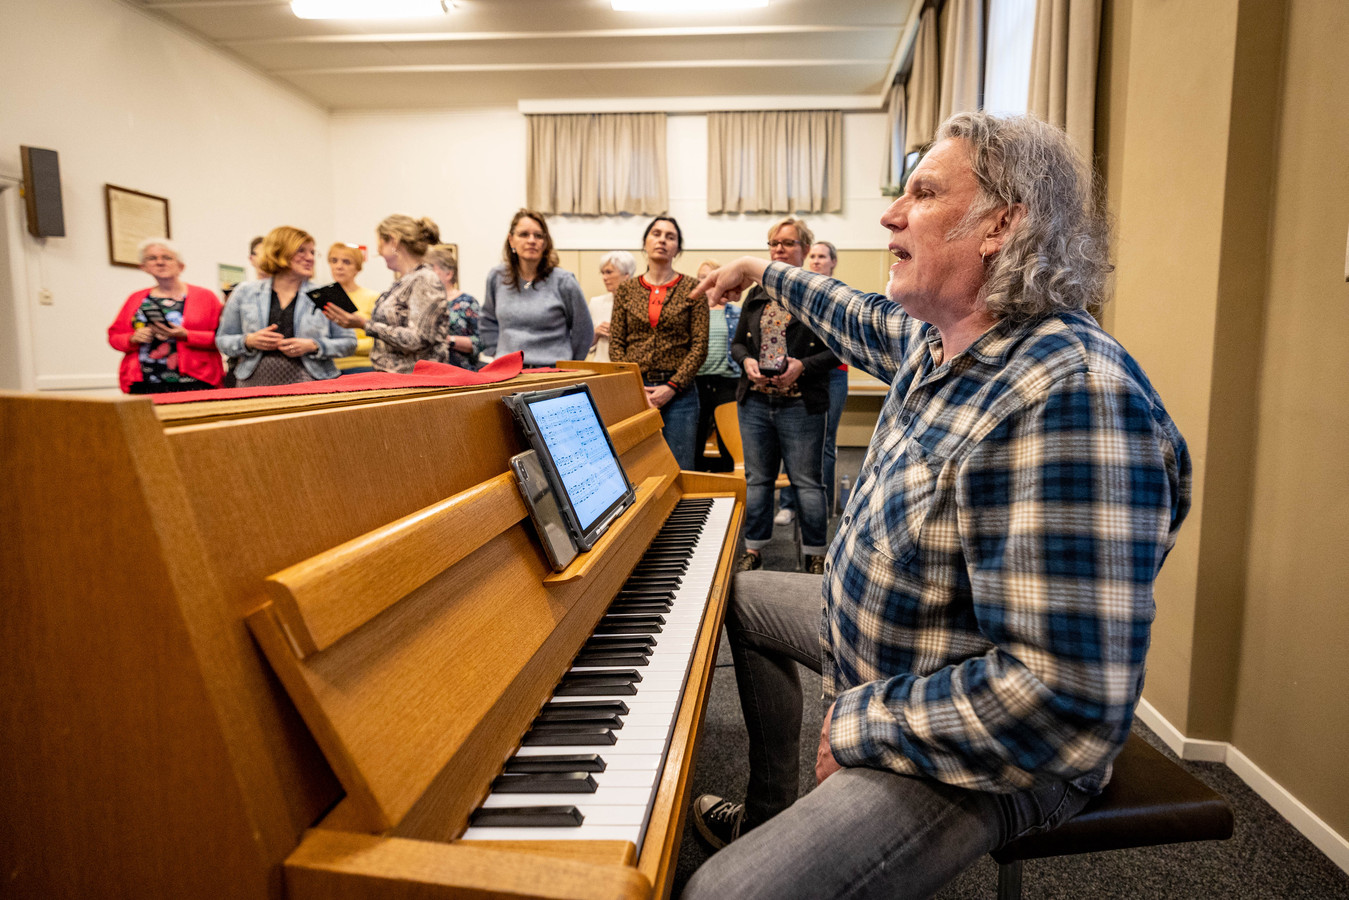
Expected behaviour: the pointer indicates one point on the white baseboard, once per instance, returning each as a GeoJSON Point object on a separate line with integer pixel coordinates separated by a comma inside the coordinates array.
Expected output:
{"type": "Point", "coordinates": [75, 382]}
{"type": "Point", "coordinates": [1311, 825]}
{"type": "Point", "coordinates": [1308, 823]}
{"type": "Point", "coordinates": [1185, 748]}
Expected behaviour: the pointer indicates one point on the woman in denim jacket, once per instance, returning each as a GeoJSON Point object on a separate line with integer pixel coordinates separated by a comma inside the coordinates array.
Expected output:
{"type": "Point", "coordinates": [272, 326]}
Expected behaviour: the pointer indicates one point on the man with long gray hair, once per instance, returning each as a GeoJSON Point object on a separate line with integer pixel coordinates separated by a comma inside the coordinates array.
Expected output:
{"type": "Point", "coordinates": [988, 597]}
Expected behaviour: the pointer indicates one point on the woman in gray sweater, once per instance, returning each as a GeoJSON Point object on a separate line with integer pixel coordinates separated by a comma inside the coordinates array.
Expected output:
{"type": "Point", "coordinates": [530, 304]}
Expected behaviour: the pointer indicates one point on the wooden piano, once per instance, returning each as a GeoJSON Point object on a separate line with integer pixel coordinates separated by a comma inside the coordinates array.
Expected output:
{"type": "Point", "coordinates": [283, 648]}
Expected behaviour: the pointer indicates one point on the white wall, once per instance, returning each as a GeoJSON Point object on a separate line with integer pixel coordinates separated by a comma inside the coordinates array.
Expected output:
{"type": "Point", "coordinates": [130, 101]}
{"type": "Point", "coordinates": [466, 171]}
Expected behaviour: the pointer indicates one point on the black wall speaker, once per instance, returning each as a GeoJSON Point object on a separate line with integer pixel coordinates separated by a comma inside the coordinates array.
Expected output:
{"type": "Point", "coordinates": [42, 192]}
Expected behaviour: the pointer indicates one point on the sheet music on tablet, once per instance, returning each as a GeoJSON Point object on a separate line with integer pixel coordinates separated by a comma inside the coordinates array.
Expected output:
{"type": "Point", "coordinates": [565, 428]}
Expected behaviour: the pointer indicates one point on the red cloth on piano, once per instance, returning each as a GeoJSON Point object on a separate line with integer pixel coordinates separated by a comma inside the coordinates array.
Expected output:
{"type": "Point", "coordinates": [424, 374]}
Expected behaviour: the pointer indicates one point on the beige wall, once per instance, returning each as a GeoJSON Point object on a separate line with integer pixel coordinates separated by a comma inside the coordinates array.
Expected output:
{"type": "Point", "coordinates": [1224, 147]}
{"type": "Point", "coordinates": [1292, 715]}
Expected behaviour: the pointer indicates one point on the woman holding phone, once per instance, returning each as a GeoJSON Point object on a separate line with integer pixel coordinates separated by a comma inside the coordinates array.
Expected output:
{"type": "Point", "coordinates": [167, 331]}
{"type": "Point", "coordinates": [784, 399]}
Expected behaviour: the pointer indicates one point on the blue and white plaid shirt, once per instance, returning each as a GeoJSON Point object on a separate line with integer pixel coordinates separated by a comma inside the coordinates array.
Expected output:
{"type": "Point", "coordinates": [988, 598]}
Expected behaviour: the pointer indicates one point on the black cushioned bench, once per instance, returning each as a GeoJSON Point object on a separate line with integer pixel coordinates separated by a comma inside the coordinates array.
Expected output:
{"type": "Point", "coordinates": [1149, 801]}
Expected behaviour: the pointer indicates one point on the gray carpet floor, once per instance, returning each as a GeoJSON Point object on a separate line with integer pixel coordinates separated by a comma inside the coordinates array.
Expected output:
{"type": "Point", "coordinates": [1266, 858]}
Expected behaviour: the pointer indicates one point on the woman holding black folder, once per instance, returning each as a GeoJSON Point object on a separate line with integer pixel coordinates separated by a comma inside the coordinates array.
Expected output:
{"type": "Point", "coordinates": [410, 320]}
{"type": "Point", "coordinates": [273, 327]}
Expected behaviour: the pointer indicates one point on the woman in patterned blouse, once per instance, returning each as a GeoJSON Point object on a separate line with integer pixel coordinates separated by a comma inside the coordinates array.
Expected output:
{"type": "Point", "coordinates": [409, 321]}
{"type": "Point", "coordinates": [461, 309]}
{"type": "Point", "coordinates": [655, 325]}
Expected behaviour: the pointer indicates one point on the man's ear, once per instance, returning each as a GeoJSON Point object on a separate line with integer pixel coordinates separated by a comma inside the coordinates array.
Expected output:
{"type": "Point", "coordinates": [1002, 223]}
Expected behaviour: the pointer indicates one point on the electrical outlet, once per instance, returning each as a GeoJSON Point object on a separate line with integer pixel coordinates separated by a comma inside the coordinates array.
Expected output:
{"type": "Point", "coordinates": [45, 297]}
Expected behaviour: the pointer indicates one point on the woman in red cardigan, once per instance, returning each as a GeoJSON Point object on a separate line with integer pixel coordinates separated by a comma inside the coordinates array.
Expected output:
{"type": "Point", "coordinates": [167, 331]}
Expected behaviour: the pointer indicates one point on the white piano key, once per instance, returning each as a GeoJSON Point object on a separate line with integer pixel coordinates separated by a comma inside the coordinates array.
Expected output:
{"type": "Point", "coordinates": [613, 795]}
{"type": "Point", "coordinates": [594, 833]}
{"type": "Point", "coordinates": [622, 748]}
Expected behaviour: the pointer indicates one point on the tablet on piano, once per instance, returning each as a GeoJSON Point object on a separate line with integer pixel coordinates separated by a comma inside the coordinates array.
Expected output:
{"type": "Point", "coordinates": [573, 445]}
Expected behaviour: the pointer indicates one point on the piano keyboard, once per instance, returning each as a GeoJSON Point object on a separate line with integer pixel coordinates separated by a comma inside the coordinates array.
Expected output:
{"type": "Point", "coordinates": [590, 764]}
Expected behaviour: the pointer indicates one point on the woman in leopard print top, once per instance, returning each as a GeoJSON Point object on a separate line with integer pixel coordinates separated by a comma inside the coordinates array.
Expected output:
{"type": "Point", "coordinates": [655, 325]}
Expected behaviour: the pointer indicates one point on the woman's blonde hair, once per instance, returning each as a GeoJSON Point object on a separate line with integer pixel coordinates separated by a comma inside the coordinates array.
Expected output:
{"type": "Point", "coordinates": [279, 248]}
{"type": "Point", "coordinates": [414, 235]}
{"type": "Point", "coordinates": [351, 252]}
{"type": "Point", "coordinates": [445, 258]}
{"type": "Point", "coordinates": [804, 236]}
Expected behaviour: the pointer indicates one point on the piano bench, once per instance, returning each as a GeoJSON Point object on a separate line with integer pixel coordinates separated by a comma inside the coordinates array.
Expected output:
{"type": "Point", "coordinates": [1149, 801]}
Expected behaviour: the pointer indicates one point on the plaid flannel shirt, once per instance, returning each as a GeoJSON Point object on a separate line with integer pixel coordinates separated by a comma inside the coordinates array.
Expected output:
{"type": "Point", "coordinates": [988, 597]}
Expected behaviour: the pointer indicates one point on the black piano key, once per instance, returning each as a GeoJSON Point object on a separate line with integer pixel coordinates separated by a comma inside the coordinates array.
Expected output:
{"type": "Point", "coordinates": [628, 676]}
{"type": "Point", "coordinates": [618, 626]}
{"type": "Point", "coordinates": [573, 736]}
{"type": "Point", "coordinates": [587, 660]}
{"type": "Point", "coordinates": [545, 783]}
{"type": "Point", "coordinates": [527, 816]}
{"type": "Point", "coordinates": [634, 641]}
{"type": "Point", "coordinates": [654, 584]}
{"type": "Point", "coordinates": [556, 762]}
{"type": "Point", "coordinates": [620, 642]}
{"type": "Point", "coordinates": [609, 707]}
{"type": "Point", "coordinates": [612, 721]}
{"type": "Point", "coordinates": [598, 683]}
{"type": "Point", "coordinates": [668, 555]}
{"type": "Point", "coordinates": [643, 619]}
{"type": "Point", "coordinates": [583, 716]}
{"type": "Point", "coordinates": [641, 609]}
{"type": "Point", "coordinates": [671, 567]}
{"type": "Point", "coordinates": [644, 596]}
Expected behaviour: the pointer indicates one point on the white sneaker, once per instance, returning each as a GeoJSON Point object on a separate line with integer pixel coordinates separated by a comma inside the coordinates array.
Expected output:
{"type": "Point", "coordinates": [784, 517]}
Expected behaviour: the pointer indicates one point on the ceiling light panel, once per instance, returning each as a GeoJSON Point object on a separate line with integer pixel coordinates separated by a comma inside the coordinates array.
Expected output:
{"type": "Point", "coordinates": [369, 9]}
{"type": "Point", "coordinates": [686, 6]}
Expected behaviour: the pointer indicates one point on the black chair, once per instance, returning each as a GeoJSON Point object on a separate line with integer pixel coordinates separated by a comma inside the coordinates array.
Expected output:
{"type": "Point", "coordinates": [1149, 801]}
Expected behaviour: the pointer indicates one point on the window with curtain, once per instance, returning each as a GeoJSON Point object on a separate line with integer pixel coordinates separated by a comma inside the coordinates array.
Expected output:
{"type": "Point", "coordinates": [1011, 29]}
{"type": "Point", "coordinates": [1025, 56]}
{"type": "Point", "coordinates": [775, 162]}
{"type": "Point", "coordinates": [597, 164]}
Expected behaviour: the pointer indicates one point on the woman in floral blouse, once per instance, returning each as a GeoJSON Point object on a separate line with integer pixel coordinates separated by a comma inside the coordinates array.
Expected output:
{"type": "Point", "coordinates": [461, 309]}
{"type": "Point", "coordinates": [409, 321]}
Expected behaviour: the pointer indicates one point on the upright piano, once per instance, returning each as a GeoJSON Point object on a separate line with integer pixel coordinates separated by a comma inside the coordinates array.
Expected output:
{"type": "Point", "coordinates": [298, 648]}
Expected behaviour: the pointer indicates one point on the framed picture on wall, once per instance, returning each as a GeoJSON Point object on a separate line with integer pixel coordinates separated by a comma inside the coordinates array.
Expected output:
{"type": "Point", "coordinates": [133, 216]}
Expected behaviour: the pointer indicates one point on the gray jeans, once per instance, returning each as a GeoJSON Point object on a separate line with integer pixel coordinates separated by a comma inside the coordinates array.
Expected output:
{"type": "Point", "coordinates": [864, 832]}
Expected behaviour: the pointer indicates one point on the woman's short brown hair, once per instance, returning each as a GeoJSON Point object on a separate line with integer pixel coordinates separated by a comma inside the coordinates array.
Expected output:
{"type": "Point", "coordinates": [279, 248]}
{"type": "Point", "coordinates": [351, 251]}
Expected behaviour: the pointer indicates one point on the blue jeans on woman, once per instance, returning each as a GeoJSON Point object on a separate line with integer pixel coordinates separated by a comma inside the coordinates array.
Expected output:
{"type": "Point", "coordinates": [838, 396]}
{"type": "Point", "coordinates": [681, 426]}
{"type": "Point", "coordinates": [864, 832]}
{"type": "Point", "coordinates": [778, 430]}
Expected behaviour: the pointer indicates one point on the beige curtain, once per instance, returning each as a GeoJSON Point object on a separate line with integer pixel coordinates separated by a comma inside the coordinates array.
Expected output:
{"type": "Point", "coordinates": [923, 90]}
{"type": "Point", "coordinates": [597, 165]}
{"type": "Point", "coordinates": [775, 161]}
{"type": "Point", "coordinates": [893, 170]}
{"type": "Point", "coordinates": [962, 78]}
{"type": "Point", "coordinates": [1063, 67]}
